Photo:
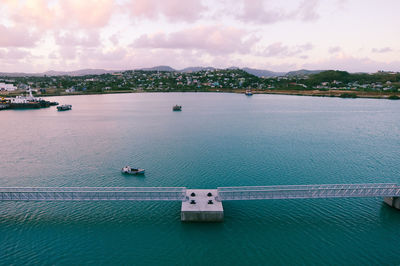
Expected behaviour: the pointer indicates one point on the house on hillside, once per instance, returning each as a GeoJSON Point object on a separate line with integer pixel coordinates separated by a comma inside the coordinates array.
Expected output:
{"type": "Point", "coordinates": [7, 87]}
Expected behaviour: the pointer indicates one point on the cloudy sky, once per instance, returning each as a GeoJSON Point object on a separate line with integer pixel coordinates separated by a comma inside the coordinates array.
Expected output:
{"type": "Point", "coordinates": [352, 35]}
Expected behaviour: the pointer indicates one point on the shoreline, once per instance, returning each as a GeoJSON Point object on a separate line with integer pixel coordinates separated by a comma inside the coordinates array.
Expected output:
{"type": "Point", "coordinates": [312, 93]}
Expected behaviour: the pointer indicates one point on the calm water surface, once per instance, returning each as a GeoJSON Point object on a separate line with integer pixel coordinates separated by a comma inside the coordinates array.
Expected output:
{"type": "Point", "coordinates": [217, 140]}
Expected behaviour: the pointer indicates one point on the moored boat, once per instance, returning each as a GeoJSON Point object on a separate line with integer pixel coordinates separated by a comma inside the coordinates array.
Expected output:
{"type": "Point", "coordinates": [64, 107]}
{"type": "Point", "coordinates": [177, 108]}
{"type": "Point", "coordinates": [28, 102]}
{"type": "Point", "coordinates": [248, 93]}
{"type": "Point", "coordinates": [4, 106]}
{"type": "Point", "coordinates": [132, 171]}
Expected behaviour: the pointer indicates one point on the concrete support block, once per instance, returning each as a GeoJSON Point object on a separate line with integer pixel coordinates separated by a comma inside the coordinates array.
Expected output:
{"type": "Point", "coordinates": [393, 202]}
{"type": "Point", "coordinates": [202, 206]}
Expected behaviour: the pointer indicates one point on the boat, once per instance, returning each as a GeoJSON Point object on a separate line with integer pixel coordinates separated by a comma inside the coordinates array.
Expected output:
{"type": "Point", "coordinates": [64, 107]}
{"type": "Point", "coordinates": [177, 108]}
{"type": "Point", "coordinates": [132, 171]}
{"type": "Point", "coordinates": [28, 102]}
{"type": "Point", "coordinates": [248, 93]}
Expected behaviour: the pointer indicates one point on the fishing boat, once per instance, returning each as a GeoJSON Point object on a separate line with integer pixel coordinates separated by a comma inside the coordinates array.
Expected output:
{"type": "Point", "coordinates": [132, 171]}
{"type": "Point", "coordinates": [64, 107]}
{"type": "Point", "coordinates": [177, 108]}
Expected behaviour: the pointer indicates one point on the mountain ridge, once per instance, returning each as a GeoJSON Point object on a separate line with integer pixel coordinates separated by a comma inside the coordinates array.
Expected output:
{"type": "Point", "coordinates": [90, 71]}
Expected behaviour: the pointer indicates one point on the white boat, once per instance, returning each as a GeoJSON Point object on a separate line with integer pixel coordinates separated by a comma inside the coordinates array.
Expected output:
{"type": "Point", "coordinates": [64, 107]}
{"type": "Point", "coordinates": [132, 171]}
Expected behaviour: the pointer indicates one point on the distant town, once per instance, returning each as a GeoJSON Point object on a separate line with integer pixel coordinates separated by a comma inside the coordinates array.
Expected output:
{"type": "Point", "coordinates": [303, 82]}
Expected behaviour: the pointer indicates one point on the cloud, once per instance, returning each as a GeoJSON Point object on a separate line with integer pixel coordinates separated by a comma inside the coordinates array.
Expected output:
{"type": "Point", "coordinates": [307, 10]}
{"type": "Point", "coordinates": [15, 59]}
{"type": "Point", "coordinates": [255, 11]}
{"type": "Point", "coordinates": [16, 37]}
{"type": "Point", "coordinates": [173, 10]}
{"type": "Point", "coordinates": [13, 54]}
{"type": "Point", "coordinates": [87, 13]}
{"type": "Point", "coordinates": [221, 40]}
{"type": "Point", "coordinates": [74, 38]}
{"type": "Point", "coordinates": [44, 15]}
{"type": "Point", "coordinates": [114, 39]}
{"type": "Point", "coordinates": [68, 52]}
{"type": "Point", "coordinates": [279, 50]}
{"type": "Point", "coordinates": [335, 49]}
{"type": "Point", "coordinates": [353, 64]}
{"type": "Point", "coordinates": [382, 50]}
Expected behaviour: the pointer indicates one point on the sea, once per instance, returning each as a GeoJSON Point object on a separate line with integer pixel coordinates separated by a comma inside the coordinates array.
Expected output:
{"type": "Point", "coordinates": [217, 140]}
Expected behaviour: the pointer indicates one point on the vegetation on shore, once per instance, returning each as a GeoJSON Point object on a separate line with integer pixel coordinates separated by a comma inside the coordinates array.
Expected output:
{"type": "Point", "coordinates": [326, 83]}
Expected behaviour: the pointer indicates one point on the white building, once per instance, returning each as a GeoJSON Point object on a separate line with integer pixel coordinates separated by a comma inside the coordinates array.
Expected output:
{"type": "Point", "coordinates": [7, 87]}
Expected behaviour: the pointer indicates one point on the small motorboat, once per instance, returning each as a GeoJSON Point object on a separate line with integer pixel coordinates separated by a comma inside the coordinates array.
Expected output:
{"type": "Point", "coordinates": [248, 93]}
{"type": "Point", "coordinates": [177, 108]}
{"type": "Point", "coordinates": [132, 171]}
{"type": "Point", "coordinates": [64, 107]}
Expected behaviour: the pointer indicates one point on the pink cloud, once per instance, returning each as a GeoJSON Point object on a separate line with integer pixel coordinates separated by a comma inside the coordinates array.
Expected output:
{"type": "Point", "coordinates": [15, 60]}
{"type": "Point", "coordinates": [280, 50]}
{"type": "Point", "coordinates": [16, 37]}
{"type": "Point", "coordinates": [353, 64]}
{"type": "Point", "coordinates": [73, 38]}
{"type": "Point", "coordinates": [335, 49]}
{"type": "Point", "coordinates": [87, 13]}
{"type": "Point", "coordinates": [173, 10]}
{"type": "Point", "coordinates": [13, 54]}
{"type": "Point", "coordinates": [382, 50]}
{"type": "Point", "coordinates": [68, 52]}
{"type": "Point", "coordinates": [222, 40]}
{"type": "Point", "coordinates": [261, 11]}
{"type": "Point", "coordinates": [43, 14]}
{"type": "Point", "coordinates": [32, 13]}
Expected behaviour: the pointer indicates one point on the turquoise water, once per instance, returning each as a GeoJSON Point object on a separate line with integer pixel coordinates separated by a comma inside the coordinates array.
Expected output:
{"type": "Point", "coordinates": [217, 140]}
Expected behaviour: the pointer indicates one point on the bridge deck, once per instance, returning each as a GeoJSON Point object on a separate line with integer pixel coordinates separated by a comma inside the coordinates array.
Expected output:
{"type": "Point", "coordinates": [309, 191]}
{"type": "Point", "coordinates": [92, 193]}
{"type": "Point", "coordinates": [179, 193]}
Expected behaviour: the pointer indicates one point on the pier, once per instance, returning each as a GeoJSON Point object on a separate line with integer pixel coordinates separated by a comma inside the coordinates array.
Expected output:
{"type": "Point", "coordinates": [203, 205]}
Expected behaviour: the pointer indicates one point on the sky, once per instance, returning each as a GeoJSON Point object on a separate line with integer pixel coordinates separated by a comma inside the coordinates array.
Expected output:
{"type": "Point", "coordinates": [66, 35]}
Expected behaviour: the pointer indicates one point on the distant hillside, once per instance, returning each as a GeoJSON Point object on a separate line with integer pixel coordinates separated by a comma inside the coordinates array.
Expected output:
{"type": "Point", "coordinates": [303, 72]}
{"type": "Point", "coordinates": [252, 71]}
{"type": "Point", "coordinates": [19, 74]}
{"type": "Point", "coordinates": [196, 69]}
{"type": "Point", "coordinates": [262, 73]}
{"type": "Point", "coordinates": [159, 68]}
{"type": "Point", "coordinates": [81, 72]}
{"type": "Point", "coordinates": [346, 77]}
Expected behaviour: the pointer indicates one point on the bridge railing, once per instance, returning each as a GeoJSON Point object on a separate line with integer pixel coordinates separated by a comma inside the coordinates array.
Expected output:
{"type": "Point", "coordinates": [92, 193]}
{"type": "Point", "coordinates": [308, 191]}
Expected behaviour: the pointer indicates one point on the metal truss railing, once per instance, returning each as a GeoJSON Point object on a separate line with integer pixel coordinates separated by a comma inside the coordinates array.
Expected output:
{"type": "Point", "coordinates": [179, 193]}
{"type": "Point", "coordinates": [308, 191]}
{"type": "Point", "coordinates": [92, 193]}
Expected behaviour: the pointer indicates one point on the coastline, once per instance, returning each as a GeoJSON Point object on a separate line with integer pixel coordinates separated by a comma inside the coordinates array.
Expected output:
{"type": "Point", "coordinates": [330, 93]}
{"type": "Point", "coordinates": [312, 93]}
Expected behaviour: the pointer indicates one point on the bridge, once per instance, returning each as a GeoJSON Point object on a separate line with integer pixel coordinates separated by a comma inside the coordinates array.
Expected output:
{"type": "Point", "coordinates": [203, 204]}
{"type": "Point", "coordinates": [92, 193]}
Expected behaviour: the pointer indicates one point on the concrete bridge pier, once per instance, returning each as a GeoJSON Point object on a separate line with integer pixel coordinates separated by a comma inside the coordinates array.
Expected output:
{"type": "Point", "coordinates": [393, 202]}
{"type": "Point", "coordinates": [202, 206]}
